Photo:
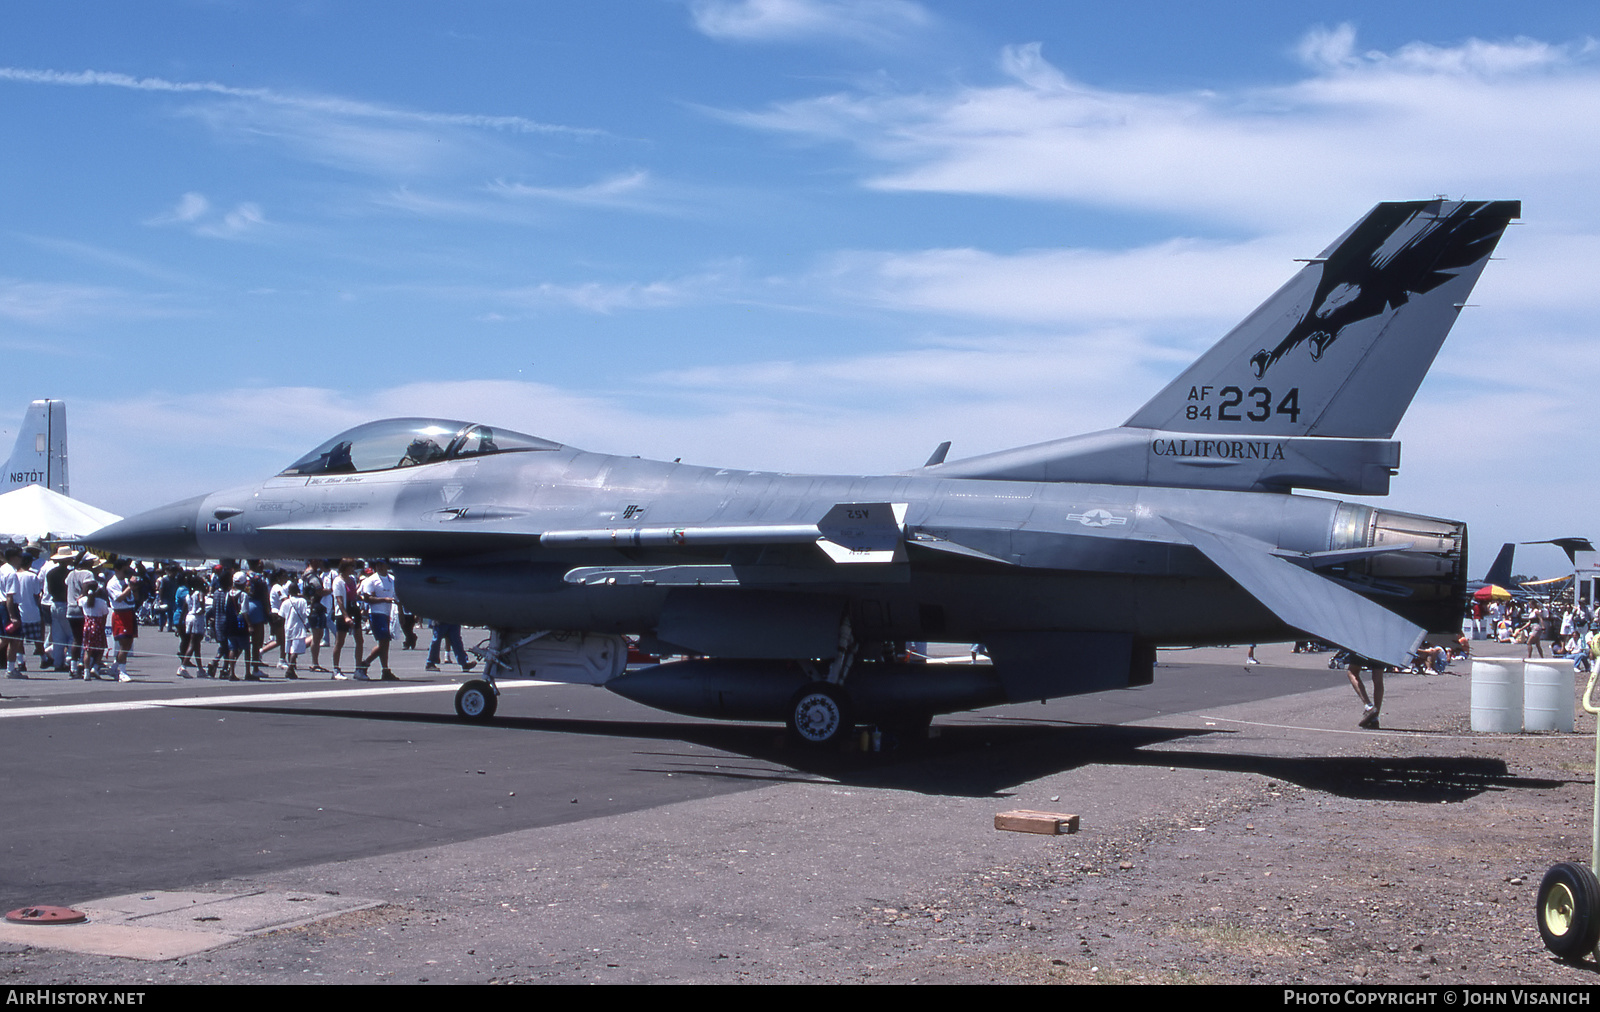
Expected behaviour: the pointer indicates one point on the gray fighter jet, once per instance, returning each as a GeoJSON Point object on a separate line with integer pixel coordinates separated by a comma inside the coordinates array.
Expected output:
{"type": "Point", "coordinates": [790, 596]}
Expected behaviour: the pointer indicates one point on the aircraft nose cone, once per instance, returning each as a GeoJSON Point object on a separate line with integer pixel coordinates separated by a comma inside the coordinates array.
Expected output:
{"type": "Point", "coordinates": [167, 532]}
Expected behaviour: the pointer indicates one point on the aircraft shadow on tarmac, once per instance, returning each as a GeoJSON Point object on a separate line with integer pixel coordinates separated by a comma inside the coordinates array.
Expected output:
{"type": "Point", "coordinates": [988, 760]}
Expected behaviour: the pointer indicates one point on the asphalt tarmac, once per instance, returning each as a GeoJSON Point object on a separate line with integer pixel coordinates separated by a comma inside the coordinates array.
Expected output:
{"type": "Point", "coordinates": [581, 837]}
{"type": "Point", "coordinates": [211, 779]}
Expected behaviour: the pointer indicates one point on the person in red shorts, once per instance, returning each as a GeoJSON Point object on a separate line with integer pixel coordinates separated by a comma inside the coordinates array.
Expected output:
{"type": "Point", "coordinates": [124, 616]}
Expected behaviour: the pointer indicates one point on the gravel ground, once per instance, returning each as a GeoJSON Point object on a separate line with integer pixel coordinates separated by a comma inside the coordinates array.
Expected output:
{"type": "Point", "coordinates": [1268, 842]}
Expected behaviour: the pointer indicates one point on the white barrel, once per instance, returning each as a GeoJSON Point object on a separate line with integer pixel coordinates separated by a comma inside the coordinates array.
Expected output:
{"type": "Point", "coordinates": [1548, 703]}
{"type": "Point", "coordinates": [1497, 696]}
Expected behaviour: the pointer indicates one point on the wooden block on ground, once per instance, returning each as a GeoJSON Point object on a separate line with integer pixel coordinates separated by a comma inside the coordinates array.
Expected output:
{"type": "Point", "coordinates": [1024, 821]}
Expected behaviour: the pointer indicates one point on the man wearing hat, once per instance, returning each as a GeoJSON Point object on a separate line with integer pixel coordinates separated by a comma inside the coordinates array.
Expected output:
{"type": "Point", "coordinates": [54, 575]}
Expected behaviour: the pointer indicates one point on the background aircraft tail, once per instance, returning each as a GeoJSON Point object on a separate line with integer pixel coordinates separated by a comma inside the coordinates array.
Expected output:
{"type": "Point", "coordinates": [1572, 546]}
{"type": "Point", "coordinates": [1500, 573]}
{"type": "Point", "coordinates": [39, 456]}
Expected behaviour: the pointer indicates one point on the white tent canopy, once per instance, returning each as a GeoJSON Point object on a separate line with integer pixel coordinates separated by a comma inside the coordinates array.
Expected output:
{"type": "Point", "coordinates": [34, 513]}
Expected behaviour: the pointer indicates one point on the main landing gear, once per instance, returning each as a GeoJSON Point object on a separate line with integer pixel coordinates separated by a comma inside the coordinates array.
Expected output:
{"type": "Point", "coordinates": [820, 714]}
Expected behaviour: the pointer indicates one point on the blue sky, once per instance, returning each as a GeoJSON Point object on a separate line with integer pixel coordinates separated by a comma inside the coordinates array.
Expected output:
{"type": "Point", "coordinates": [789, 234]}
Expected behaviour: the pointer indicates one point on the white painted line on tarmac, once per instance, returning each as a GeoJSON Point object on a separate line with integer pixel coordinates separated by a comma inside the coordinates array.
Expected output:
{"type": "Point", "coordinates": [126, 706]}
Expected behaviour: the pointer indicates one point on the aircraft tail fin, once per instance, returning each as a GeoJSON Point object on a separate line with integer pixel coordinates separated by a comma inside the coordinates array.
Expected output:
{"type": "Point", "coordinates": [39, 456]}
{"type": "Point", "coordinates": [1341, 349]}
{"type": "Point", "coordinates": [1500, 572]}
{"type": "Point", "coordinates": [1308, 390]}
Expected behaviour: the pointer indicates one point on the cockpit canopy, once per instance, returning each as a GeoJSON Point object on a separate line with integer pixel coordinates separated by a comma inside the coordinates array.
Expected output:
{"type": "Point", "coordinates": [408, 442]}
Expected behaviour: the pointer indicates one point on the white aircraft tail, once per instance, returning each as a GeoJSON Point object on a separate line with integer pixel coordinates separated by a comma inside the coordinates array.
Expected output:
{"type": "Point", "coordinates": [39, 456]}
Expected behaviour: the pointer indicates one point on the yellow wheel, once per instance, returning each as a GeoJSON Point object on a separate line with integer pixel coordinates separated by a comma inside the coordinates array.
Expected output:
{"type": "Point", "coordinates": [1569, 910]}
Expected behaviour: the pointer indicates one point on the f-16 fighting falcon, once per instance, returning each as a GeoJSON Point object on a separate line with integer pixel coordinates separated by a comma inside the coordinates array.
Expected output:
{"type": "Point", "coordinates": [1070, 560]}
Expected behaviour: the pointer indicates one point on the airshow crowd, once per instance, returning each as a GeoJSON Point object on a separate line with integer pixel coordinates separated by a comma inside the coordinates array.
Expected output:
{"type": "Point", "coordinates": [1568, 626]}
{"type": "Point", "coordinates": [81, 614]}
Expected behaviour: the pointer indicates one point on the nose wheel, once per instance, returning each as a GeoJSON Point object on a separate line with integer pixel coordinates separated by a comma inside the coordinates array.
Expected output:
{"type": "Point", "coordinates": [476, 701]}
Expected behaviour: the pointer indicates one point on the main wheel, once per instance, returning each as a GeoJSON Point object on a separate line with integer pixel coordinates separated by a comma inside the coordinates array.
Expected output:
{"type": "Point", "coordinates": [476, 701]}
{"type": "Point", "coordinates": [1569, 910]}
{"type": "Point", "coordinates": [820, 714]}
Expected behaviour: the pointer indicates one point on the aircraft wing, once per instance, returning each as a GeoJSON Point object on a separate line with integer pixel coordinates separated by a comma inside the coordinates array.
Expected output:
{"type": "Point", "coordinates": [1306, 601]}
{"type": "Point", "coordinates": [1541, 583]}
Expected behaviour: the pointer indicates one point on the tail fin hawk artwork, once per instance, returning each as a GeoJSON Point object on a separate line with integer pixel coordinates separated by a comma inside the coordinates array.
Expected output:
{"type": "Point", "coordinates": [789, 596]}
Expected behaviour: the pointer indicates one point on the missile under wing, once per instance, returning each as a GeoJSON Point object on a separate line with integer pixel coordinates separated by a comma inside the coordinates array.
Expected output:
{"type": "Point", "coordinates": [1071, 560]}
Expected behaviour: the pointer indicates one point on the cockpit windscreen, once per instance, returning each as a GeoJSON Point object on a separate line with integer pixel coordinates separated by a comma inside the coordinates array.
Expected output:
{"type": "Point", "coordinates": [410, 442]}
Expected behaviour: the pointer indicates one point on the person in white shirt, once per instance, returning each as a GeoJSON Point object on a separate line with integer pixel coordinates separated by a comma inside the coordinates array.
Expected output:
{"type": "Point", "coordinates": [377, 591]}
{"type": "Point", "coordinates": [346, 617]}
{"type": "Point", "coordinates": [124, 616]}
{"type": "Point", "coordinates": [29, 588]}
{"type": "Point", "coordinates": [295, 614]}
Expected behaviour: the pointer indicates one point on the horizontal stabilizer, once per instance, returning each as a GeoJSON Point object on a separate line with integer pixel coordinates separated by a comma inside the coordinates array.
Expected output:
{"type": "Point", "coordinates": [1323, 560]}
{"type": "Point", "coordinates": [1572, 546]}
{"type": "Point", "coordinates": [1306, 601]}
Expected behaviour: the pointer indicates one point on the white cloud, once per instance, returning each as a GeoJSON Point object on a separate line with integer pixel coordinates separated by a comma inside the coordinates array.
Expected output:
{"type": "Point", "coordinates": [601, 297]}
{"type": "Point", "coordinates": [321, 104]}
{"type": "Point", "coordinates": [349, 134]}
{"type": "Point", "coordinates": [55, 304]}
{"type": "Point", "coordinates": [623, 189]}
{"type": "Point", "coordinates": [195, 212]}
{"type": "Point", "coordinates": [101, 256]}
{"type": "Point", "coordinates": [610, 296]}
{"type": "Point", "coordinates": [1332, 49]}
{"type": "Point", "coordinates": [191, 207]}
{"type": "Point", "coordinates": [1173, 281]}
{"type": "Point", "coordinates": [1482, 118]}
{"type": "Point", "coordinates": [876, 22]}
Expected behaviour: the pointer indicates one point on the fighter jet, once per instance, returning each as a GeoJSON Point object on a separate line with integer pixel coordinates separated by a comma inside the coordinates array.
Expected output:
{"type": "Point", "coordinates": [1071, 561]}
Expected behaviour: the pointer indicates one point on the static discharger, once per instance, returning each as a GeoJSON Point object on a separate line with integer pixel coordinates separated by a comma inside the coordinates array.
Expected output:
{"type": "Point", "coordinates": [1048, 823]}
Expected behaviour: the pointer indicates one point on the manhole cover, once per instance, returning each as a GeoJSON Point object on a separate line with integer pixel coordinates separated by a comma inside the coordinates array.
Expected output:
{"type": "Point", "coordinates": [46, 915]}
